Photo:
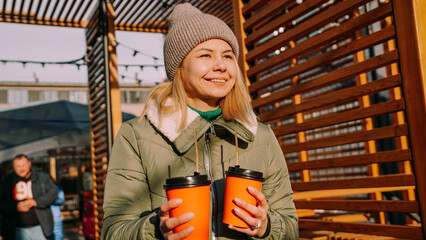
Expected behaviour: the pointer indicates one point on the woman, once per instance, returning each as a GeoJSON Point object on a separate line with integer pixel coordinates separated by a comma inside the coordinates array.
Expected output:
{"type": "Point", "coordinates": [206, 93]}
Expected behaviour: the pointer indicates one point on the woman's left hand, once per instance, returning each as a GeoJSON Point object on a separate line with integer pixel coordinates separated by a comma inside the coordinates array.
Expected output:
{"type": "Point", "coordinates": [259, 221]}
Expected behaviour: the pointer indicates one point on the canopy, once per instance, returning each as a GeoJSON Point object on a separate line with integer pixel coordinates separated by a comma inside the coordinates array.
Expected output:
{"type": "Point", "coordinates": [44, 125]}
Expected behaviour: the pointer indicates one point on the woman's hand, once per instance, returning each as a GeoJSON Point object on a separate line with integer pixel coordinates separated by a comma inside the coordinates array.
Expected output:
{"type": "Point", "coordinates": [259, 221]}
{"type": "Point", "coordinates": [167, 224]}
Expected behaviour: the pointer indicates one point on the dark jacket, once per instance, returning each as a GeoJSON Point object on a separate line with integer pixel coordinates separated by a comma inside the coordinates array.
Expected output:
{"type": "Point", "coordinates": [143, 150]}
{"type": "Point", "coordinates": [45, 193]}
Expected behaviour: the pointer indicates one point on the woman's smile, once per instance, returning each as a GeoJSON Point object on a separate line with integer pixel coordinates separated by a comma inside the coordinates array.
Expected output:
{"type": "Point", "coordinates": [217, 81]}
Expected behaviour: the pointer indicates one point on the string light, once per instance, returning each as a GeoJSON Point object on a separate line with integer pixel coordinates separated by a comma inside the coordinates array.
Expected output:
{"type": "Point", "coordinates": [133, 78]}
{"type": "Point", "coordinates": [24, 62]}
{"type": "Point", "coordinates": [165, 4]}
{"type": "Point", "coordinates": [77, 62]}
{"type": "Point", "coordinates": [82, 61]}
{"type": "Point", "coordinates": [141, 66]}
{"type": "Point", "coordinates": [136, 51]}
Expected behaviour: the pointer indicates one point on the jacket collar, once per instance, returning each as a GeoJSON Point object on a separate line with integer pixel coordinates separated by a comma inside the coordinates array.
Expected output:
{"type": "Point", "coordinates": [33, 177]}
{"type": "Point", "coordinates": [184, 139]}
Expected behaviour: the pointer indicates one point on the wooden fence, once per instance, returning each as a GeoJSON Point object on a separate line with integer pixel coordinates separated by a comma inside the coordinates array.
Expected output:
{"type": "Point", "coordinates": [333, 80]}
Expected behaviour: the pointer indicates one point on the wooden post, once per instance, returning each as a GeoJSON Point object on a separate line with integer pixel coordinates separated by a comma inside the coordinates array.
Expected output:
{"type": "Point", "coordinates": [53, 168]}
{"type": "Point", "coordinates": [237, 6]}
{"type": "Point", "coordinates": [115, 101]}
{"type": "Point", "coordinates": [410, 23]}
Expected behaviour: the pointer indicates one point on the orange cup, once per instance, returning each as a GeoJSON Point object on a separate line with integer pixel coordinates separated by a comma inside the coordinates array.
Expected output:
{"type": "Point", "coordinates": [195, 194]}
{"type": "Point", "coordinates": [237, 182]}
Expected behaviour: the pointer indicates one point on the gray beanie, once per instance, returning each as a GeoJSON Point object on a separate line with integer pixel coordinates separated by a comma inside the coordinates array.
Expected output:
{"type": "Point", "coordinates": [189, 27]}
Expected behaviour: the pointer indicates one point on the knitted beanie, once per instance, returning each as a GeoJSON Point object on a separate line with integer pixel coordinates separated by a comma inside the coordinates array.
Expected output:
{"type": "Point", "coordinates": [189, 27]}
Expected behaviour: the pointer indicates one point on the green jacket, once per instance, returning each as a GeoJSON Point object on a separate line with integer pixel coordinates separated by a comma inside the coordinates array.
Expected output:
{"type": "Point", "coordinates": [144, 150]}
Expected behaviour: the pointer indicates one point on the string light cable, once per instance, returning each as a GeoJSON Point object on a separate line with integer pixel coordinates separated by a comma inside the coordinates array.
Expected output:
{"type": "Point", "coordinates": [136, 51]}
{"type": "Point", "coordinates": [77, 62]}
{"type": "Point", "coordinates": [83, 60]}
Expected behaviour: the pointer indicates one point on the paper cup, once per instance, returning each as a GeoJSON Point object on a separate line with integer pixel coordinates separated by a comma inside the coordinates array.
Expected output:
{"type": "Point", "coordinates": [195, 194]}
{"type": "Point", "coordinates": [237, 182]}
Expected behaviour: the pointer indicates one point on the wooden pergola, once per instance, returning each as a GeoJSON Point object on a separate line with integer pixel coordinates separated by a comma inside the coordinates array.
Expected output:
{"type": "Point", "coordinates": [341, 82]}
{"type": "Point", "coordinates": [140, 16]}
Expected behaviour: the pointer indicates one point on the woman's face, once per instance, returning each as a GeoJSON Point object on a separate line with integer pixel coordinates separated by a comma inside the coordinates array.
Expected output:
{"type": "Point", "coordinates": [208, 74]}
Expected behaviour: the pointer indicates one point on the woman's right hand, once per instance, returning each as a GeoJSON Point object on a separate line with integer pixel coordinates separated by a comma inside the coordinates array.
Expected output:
{"type": "Point", "coordinates": [167, 224]}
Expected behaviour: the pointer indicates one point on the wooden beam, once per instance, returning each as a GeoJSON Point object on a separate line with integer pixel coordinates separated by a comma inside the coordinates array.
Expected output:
{"type": "Point", "coordinates": [305, 213]}
{"type": "Point", "coordinates": [30, 18]}
{"type": "Point", "coordinates": [354, 217]}
{"type": "Point", "coordinates": [52, 171]}
{"type": "Point", "coordinates": [360, 205]}
{"type": "Point", "coordinates": [345, 192]}
{"type": "Point", "coordinates": [252, 5]}
{"type": "Point", "coordinates": [365, 182]}
{"type": "Point", "coordinates": [237, 6]}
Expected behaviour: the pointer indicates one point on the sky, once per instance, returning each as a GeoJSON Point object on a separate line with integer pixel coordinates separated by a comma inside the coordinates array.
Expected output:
{"type": "Point", "coordinates": [26, 42]}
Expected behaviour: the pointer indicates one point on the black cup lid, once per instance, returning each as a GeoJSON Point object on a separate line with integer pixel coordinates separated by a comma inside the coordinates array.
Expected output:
{"type": "Point", "coordinates": [245, 173]}
{"type": "Point", "coordinates": [186, 182]}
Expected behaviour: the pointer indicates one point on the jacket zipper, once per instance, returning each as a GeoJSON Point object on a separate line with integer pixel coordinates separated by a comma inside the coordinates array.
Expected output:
{"type": "Point", "coordinates": [207, 154]}
{"type": "Point", "coordinates": [207, 166]}
{"type": "Point", "coordinates": [207, 150]}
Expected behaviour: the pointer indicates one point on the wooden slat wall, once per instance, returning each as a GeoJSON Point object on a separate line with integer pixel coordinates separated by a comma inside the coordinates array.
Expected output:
{"type": "Point", "coordinates": [325, 76]}
{"type": "Point", "coordinates": [104, 98]}
{"type": "Point", "coordinates": [97, 107]}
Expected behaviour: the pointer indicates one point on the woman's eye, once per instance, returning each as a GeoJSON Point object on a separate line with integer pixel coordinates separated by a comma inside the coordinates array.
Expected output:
{"type": "Point", "coordinates": [228, 56]}
{"type": "Point", "coordinates": [205, 55]}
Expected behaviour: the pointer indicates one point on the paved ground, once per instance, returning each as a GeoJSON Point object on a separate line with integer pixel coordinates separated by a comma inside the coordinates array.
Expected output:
{"type": "Point", "coordinates": [72, 231]}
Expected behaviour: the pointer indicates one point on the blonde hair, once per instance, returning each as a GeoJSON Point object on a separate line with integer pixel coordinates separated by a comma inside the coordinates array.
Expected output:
{"type": "Point", "coordinates": [235, 105]}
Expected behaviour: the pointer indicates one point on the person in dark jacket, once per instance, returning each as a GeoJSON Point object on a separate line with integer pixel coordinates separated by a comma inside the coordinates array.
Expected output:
{"type": "Point", "coordinates": [25, 198]}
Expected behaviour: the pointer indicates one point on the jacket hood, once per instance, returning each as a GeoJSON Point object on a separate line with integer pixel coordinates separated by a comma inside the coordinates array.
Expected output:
{"type": "Point", "coordinates": [183, 139]}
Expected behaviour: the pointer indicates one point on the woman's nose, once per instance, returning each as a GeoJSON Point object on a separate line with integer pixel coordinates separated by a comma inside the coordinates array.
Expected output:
{"type": "Point", "coordinates": [219, 64]}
